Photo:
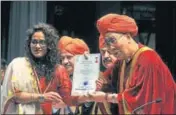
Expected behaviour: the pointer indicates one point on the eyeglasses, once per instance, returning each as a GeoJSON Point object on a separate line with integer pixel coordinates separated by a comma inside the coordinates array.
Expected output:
{"type": "Point", "coordinates": [40, 42]}
{"type": "Point", "coordinates": [112, 40]}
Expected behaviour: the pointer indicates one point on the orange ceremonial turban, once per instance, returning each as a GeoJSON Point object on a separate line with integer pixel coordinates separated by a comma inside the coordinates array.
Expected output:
{"type": "Point", "coordinates": [72, 45]}
{"type": "Point", "coordinates": [116, 23]}
{"type": "Point", "coordinates": [101, 41]}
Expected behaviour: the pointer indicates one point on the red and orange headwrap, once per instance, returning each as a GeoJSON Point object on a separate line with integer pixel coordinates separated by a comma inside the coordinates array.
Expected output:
{"type": "Point", "coordinates": [116, 23]}
{"type": "Point", "coordinates": [101, 41]}
{"type": "Point", "coordinates": [72, 45]}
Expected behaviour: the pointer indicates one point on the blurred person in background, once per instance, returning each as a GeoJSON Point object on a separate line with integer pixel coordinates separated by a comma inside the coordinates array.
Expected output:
{"type": "Point", "coordinates": [3, 69]}
{"type": "Point", "coordinates": [68, 48]}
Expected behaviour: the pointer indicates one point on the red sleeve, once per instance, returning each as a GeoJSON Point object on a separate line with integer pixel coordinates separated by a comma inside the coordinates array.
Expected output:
{"type": "Point", "coordinates": [65, 86]}
{"type": "Point", "coordinates": [151, 79]}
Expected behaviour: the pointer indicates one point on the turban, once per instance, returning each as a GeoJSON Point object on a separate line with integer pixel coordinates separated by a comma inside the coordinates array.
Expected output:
{"type": "Point", "coordinates": [116, 23]}
{"type": "Point", "coordinates": [101, 41]}
{"type": "Point", "coordinates": [74, 46]}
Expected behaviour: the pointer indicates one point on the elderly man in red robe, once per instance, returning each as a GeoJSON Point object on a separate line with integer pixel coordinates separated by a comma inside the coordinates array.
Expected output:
{"type": "Point", "coordinates": [142, 75]}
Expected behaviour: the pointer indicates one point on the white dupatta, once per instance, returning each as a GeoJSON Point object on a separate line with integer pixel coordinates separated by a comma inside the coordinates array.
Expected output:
{"type": "Point", "coordinates": [19, 77]}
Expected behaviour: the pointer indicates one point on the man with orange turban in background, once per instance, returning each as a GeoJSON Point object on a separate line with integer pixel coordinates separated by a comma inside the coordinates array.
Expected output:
{"type": "Point", "coordinates": [68, 48]}
{"type": "Point", "coordinates": [142, 76]}
{"type": "Point", "coordinates": [109, 61]}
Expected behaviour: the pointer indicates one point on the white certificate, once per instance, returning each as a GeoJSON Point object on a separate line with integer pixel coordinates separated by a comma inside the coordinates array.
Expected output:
{"type": "Point", "coordinates": [86, 72]}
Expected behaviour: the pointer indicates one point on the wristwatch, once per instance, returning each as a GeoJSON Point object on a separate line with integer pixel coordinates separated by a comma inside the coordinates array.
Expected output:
{"type": "Point", "coordinates": [41, 98]}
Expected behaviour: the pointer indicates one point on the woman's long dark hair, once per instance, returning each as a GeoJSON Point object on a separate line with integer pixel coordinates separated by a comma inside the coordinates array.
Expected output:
{"type": "Point", "coordinates": [44, 66]}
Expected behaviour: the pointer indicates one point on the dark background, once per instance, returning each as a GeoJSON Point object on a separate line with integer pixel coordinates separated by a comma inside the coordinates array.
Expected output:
{"type": "Point", "coordinates": [81, 17]}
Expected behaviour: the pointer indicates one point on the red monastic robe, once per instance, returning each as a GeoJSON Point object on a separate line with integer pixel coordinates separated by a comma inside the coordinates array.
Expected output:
{"type": "Point", "coordinates": [148, 79]}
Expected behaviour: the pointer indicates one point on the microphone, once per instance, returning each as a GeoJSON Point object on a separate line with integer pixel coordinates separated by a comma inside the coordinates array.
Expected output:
{"type": "Point", "coordinates": [142, 106]}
